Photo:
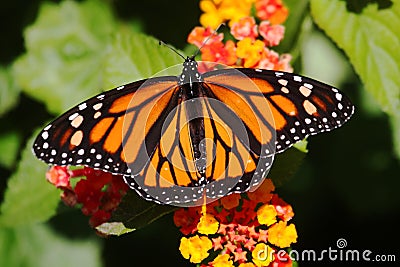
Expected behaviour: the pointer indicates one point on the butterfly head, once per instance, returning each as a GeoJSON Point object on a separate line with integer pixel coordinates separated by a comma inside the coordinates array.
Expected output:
{"type": "Point", "coordinates": [190, 72]}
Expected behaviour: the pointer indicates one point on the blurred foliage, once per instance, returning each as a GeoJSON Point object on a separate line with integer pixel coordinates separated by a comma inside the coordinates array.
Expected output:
{"type": "Point", "coordinates": [346, 185]}
{"type": "Point", "coordinates": [370, 40]}
{"type": "Point", "coordinates": [37, 245]}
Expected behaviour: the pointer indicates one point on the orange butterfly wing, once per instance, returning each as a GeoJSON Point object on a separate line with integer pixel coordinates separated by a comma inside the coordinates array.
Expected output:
{"type": "Point", "coordinates": [175, 151]}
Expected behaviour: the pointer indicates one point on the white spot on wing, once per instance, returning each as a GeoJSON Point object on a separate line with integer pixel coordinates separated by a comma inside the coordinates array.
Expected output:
{"type": "Point", "coordinates": [285, 90]}
{"type": "Point", "coordinates": [309, 86]}
{"type": "Point", "coordinates": [45, 135]}
{"type": "Point", "coordinates": [73, 116]}
{"type": "Point", "coordinates": [77, 121]}
{"type": "Point", "coordinates": [297, 78]}
{"type": "Point", "coordinates": [82, 106]}
{"type": "Point", "coordinates": [305, 91]}
{"type": "Point", "coordinates": [97, 106]}
{"type": "Point", "coordinates": [96, 115]}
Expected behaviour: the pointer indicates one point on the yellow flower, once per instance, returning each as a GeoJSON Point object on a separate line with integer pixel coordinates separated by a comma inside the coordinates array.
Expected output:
{"type": "Point", "coordinates": [222, 261]}
{"type": "Point", "coordinates": [247, 264]}
{"type": "Point", "coordinates": [219, 11]}
{"type": "Point", "coordinates": [249, 51]}
{"type": "Point", "coordinates": [266, 214]}
{"type": "Point", "coordinates": [208, 224]}
{"type": "Point", "coordinates": [211, 16]}
{"type": "Point", "coordinates": [262, 255]}
{"type": "Point", "coordinates": [282, 235]}
{"type": "Point", "coordinates": [196, 248]}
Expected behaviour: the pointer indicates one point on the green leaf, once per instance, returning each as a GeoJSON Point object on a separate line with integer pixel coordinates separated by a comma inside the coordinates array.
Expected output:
{"type": "Point", "coordinates": [298, 11]}
{"type": "Point", "coordinates": [9, 144]}
{"type": "Point", "coordinates": [113, 228]}
{"type": "Point", "coordinates": [371, 40]}
{"type": "Point", "coordinates": [9, 92]}
{"type": "Point", "coordinates": [37, 245]}
{"type": "Point", "coordinates": [134, 213]}
{"type": "Point", "coordinates": [395, 124]}
{"type": "Point", "coordinates": [65, 51]}
{"type": "Point", "coordinates": [29, 198]}
{"type": "Point", "coordinates": [287, 163]}
{"type": "Point", "coordinates": [133, 56]}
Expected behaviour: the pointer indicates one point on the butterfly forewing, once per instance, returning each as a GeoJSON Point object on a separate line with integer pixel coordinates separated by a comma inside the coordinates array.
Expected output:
{"type": "Point", "coordinates": [299, 106]}
{"type": "Point", "coordinates": [92, 133]}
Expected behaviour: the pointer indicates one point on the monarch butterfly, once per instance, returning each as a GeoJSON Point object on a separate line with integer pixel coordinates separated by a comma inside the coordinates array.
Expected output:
{"type": "Point", "coordinates": [176, 138]}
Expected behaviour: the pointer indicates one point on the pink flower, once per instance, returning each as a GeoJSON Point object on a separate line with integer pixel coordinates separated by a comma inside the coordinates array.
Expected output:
{"type": "Point", "coordinates": [245, 27]}
{"type": "Point", "coordinates": [272, 34]}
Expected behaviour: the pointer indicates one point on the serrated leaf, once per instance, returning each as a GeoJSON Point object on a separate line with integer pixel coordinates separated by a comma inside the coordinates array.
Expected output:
{"type": "Point", "coordinates": [65, 50]}
{"type": "Point", "coordinates": [371, 40]}
{"type": "Point", "coordinates": [29, 198]}
{"type": "Point", "coordinates": [134, 213]}
{"type": "Point", "coordinates": [133, 56]}
{"type": "Point", "coordinates": [37, 245]}
{"type": "Point", "coordinates": [9, 92]}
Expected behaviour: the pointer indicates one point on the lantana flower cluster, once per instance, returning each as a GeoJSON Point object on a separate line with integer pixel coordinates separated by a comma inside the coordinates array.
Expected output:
{"type": "Point", "coordinates": [98, 193]}
{"type": "Point", "coordinates": [250, 229]}
{"type": "Point", "coordinates": [251, 37]}
{"type": "Point", "coordinates": [245, 230]}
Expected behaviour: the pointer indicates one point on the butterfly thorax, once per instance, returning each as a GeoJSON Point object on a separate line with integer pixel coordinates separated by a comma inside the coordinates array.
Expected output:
{"type": "Point", "coordinates": [190, 73]}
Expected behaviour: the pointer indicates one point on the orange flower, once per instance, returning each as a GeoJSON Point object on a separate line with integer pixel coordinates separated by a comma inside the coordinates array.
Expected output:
{"type": "Point", "coordinates": [263, 193]}
{"type": "Point", "coordinates": [284, 210]}
{"type": "Point", "coordinates": [218, 52]}
{"type": "Point", "coordinates": [231, 201]}
{"type": "Point", "coordinates": [250, 51]}
{"type": "Point", "coordinates": [273, 10]}
{"type": "Point", "coordinates": [198, 36]}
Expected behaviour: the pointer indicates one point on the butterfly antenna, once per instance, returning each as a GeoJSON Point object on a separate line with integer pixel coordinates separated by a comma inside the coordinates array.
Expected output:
{"type": "Point", "coordinates": [173, 49]}
{"type": "Point", "coordinates": [215, 32]}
